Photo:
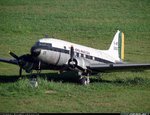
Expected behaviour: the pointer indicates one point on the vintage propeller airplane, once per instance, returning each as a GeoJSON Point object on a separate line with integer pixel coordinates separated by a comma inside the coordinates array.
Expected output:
{"type": "Point", "coordinates": [55, 54]}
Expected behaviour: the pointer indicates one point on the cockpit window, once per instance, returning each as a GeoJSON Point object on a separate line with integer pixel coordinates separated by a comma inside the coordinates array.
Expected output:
{"type": "Point", "coordinates": [43, 45]}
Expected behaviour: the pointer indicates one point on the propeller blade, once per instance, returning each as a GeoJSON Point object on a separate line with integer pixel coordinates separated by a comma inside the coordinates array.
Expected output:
{"type": "Point", "coordinates": [71, 52]}
{"type": "Point", "coordinates": [13, 55]}
{"type": "Point", "coordinates": [80, 68]}
{"type": "Point", "coordinates": [20, 72]}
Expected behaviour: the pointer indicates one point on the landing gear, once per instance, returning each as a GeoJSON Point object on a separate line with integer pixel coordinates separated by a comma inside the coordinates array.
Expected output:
{"type": "Point", "coordinates": [84, 80]}
{"type": "Point", "coordinates": [33, 81]}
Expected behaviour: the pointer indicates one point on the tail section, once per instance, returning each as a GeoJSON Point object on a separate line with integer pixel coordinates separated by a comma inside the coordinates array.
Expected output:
{"type": "Point", "coordinates": [117, 46]}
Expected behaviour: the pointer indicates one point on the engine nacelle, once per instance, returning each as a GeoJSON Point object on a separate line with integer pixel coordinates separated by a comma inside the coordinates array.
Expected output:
{"type": "Point", "coordinates": [73, 63]}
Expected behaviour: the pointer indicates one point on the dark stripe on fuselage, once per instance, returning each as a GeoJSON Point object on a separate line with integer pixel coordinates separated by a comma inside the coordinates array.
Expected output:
{"type": "Point", "coordinates": [77, 54]}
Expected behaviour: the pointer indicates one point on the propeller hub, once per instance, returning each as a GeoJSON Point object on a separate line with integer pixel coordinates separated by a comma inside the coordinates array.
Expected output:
{"type": "Point", "coordinates": [72, 63]}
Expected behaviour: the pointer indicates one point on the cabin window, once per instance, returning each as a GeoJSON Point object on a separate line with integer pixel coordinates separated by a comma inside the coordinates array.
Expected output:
{"type": "Point", "coordinates": [89, 57]}
{"type": "Point", "coordinates": [77, 54]}
{"type": "Point", "coordinates": [82, 55]}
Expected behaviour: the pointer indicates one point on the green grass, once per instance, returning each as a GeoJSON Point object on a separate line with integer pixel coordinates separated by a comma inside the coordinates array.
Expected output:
{"type": "Point", "coordinates": [88, 22]}
{"type": "Point", "coordinates": [106, 96]}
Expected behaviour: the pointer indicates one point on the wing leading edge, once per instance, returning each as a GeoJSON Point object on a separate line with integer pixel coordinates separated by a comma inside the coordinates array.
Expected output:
{"type": "Point", "coordinates": [10, 61]}
{"type": "Point", "coordinates": [118, 67]}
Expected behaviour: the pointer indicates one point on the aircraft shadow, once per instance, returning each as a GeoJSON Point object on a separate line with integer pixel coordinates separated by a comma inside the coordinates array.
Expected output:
{"type": "Point", "coordinates": [8, 79]}
{"type": "Point", "coordinates": [67, 77]}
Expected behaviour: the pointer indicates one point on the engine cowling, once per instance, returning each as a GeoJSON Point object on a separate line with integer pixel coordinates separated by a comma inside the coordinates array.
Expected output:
{"type": "Point", "coordinates": [78, 62]}
{"type": "Point", "coordinates": [26, 62]}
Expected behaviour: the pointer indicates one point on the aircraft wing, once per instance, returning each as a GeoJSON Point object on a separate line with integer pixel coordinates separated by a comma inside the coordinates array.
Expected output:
{"type": "Point", "coordinates": [117, 67]}
{"type": "Point", "coordinates": [11, 61]}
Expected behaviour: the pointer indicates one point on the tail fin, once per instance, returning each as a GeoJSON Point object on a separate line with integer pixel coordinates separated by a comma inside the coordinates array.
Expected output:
{"type": "Point", "coordinates": [117, 46]}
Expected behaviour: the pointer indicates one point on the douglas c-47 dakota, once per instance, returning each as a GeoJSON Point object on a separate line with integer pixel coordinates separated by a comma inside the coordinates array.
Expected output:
{"type": "Point", "coordinates": [55, 54]}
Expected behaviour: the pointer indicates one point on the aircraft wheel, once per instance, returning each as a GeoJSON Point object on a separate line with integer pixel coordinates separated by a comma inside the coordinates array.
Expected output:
{"type": "Point", "coordinates": [88, 80]}
{"type": "Point", "coordinates": [33, 81]}
{"type": "Point", "coordinates": [84, 81]}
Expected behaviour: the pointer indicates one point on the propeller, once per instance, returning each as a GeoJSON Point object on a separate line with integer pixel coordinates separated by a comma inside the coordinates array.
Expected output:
{"type": "Point", "coordinates": [23, 62]}
{"type": "Point", "coordinates": [13, 55]}
{"type": "Point", "coordinates": [71, 53]}
{"type": "Point", "coordinates": [72, 62]}
{"type": "Point", "coordinates": [20, 72]}
{"type": "Point", "coordinates": [26, 61]}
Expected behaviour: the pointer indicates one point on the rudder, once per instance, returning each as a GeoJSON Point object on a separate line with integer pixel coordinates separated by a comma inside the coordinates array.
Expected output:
{"type": "Point", "coordinates": [117, 46]}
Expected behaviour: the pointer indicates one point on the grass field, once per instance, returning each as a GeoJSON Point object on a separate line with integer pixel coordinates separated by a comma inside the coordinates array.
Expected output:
{"type": "Point", "coordinates": [88, 22]}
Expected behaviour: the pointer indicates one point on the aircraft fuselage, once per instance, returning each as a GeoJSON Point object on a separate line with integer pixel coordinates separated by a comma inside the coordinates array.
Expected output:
{"type": "Point", "coordinates": [57, 53]}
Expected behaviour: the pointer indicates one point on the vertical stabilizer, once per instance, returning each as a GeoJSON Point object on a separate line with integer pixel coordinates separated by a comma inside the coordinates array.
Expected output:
{"type": "Point", "coordinates": [117, 46]}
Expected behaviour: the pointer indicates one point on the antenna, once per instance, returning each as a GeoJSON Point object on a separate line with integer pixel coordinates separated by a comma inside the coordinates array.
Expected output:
{"type": "Point", "coordinates": [46, 36]}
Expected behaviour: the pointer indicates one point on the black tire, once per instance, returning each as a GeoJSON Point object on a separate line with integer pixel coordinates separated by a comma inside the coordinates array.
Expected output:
{"type": "Point", "coordinates": [83, 81]}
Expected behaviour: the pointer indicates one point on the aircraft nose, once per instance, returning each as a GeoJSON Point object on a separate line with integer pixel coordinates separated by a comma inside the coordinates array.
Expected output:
{"type": "Point", "coordinates": [35, 51]}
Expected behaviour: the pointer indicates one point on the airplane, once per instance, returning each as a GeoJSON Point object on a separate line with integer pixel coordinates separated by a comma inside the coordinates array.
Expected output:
{"type": "Point", "coordinates": [56, 54]}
